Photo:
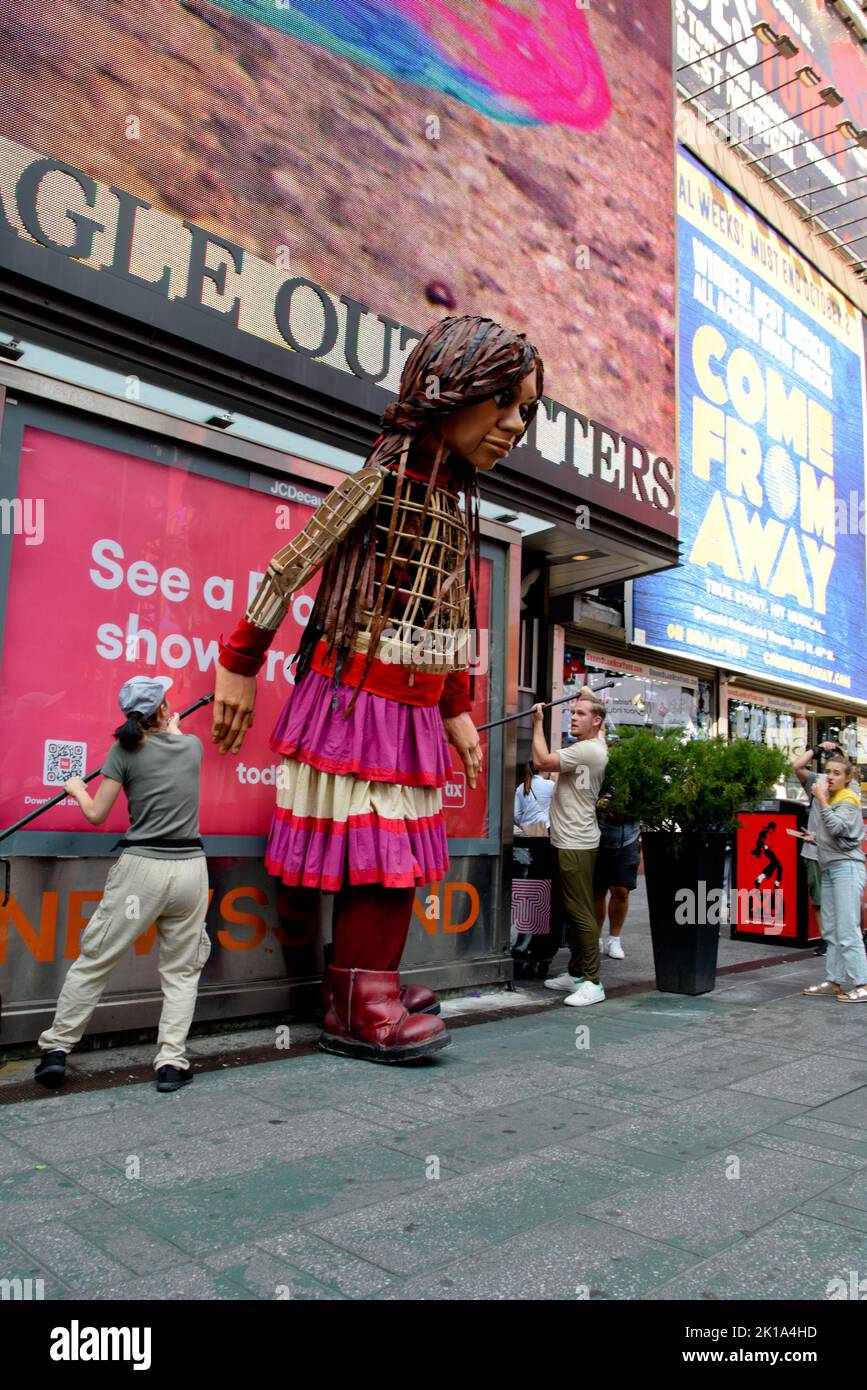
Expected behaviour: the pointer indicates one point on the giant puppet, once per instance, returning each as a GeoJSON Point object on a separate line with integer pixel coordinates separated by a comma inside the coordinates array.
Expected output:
{"type": "Point", "coordinates": [382, 678]}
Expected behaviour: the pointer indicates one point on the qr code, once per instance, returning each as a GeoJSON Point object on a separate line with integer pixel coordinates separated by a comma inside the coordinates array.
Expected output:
{"type": "Point", "coordinates": [62, 761]}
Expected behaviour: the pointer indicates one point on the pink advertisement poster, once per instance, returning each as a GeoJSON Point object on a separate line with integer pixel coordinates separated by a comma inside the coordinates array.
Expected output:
{"type": "Point", "coordinates": [140, 569]}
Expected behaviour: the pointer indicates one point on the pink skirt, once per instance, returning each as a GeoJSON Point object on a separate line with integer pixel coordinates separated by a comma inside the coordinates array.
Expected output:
{"type": "Point", "coordinates": [358, 801]}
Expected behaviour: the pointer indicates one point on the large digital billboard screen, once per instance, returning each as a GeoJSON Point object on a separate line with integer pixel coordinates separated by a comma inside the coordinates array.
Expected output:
{"type": "Point", "coordinates": [326, 179]}
{"type": "Point", "coordinates": [772, 457]}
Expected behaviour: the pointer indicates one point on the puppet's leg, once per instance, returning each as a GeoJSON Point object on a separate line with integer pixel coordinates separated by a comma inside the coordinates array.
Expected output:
{"type": "Point", "coordinates": [370, 931]}
{"type": "Point", "coordinates": [366, 1017]}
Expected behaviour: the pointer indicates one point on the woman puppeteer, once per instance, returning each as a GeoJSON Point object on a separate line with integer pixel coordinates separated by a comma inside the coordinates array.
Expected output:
{"type": "Point", "coordinates": [383, 675]}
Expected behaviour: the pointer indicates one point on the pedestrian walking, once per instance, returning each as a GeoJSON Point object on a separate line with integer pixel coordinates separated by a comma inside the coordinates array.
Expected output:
{"type": "Point", "coordinates": [575, 838]}
{"type": "Point", "coordinates": [533, 802]}
{"type": "Point", "coordinates": [615, 876]}
{"type": "Point", "coordinates": [161, 877]}
{"type": "Point", "coordinates": [838, 838]}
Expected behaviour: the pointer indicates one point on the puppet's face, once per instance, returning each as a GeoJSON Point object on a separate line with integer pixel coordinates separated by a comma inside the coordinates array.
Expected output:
{"type": "Point", "coordinates": [484, 433]}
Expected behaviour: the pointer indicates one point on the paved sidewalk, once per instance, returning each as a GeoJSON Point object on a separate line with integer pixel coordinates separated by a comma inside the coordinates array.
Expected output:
{"type": "Point", "coordinates": [707, 1148]}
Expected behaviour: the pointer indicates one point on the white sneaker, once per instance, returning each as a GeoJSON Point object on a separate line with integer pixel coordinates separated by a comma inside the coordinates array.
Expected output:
{"type": "Point", "coordinates": [586, 993]}
{"type": "Point", "coordinates": [564, 983]}
{"type": "Point", "coordinates": [604, 943]}
{"type": "Point", "coordinates": [615, 950]}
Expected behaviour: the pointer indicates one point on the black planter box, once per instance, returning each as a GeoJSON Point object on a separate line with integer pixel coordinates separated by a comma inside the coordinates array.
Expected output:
{"type": "Point", "coordinates": [684, 953]}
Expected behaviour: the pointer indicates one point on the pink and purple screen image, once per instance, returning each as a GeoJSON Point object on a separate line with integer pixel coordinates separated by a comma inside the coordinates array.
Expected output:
{"type": "Point", "coordinates": [512, 158]}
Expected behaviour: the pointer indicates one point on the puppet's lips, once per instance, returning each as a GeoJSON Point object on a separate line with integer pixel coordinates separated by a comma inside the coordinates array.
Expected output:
{"type": "Point", "coordinates": [503, 446]}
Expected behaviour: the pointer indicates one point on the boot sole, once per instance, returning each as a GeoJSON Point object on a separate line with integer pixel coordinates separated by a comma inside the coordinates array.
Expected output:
{"type": "Point", "coordinates": [349, 1047]}
{"type": "Point", "coordinates": [51, 1079]}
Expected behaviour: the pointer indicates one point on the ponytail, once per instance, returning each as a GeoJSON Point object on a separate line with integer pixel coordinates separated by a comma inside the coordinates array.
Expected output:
{"type": "Point", "coordinates": [130, 734]}
{"type": "Point", "coordinates": [529, 772]}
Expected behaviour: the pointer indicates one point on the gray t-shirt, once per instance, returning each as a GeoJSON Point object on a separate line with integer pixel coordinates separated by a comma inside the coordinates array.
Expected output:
{"type": "Point", "coordinates": [573, 806]}
{"type": "Point", "coordinates": [161, 779]}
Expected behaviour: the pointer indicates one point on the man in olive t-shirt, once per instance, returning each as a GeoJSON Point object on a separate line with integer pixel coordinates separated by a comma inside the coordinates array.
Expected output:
{"type": "Point", "coordinates": [575, 837]}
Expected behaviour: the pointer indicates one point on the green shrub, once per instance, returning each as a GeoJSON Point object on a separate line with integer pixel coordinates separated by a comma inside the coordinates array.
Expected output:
{"type": "Point", "coordinates": [669, 783]}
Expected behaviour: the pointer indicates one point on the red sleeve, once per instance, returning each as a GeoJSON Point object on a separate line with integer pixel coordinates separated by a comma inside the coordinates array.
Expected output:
{"type": "Point", "coordinates": [244, 653]}
{"type": "Point", "coordinates": [456, 695]}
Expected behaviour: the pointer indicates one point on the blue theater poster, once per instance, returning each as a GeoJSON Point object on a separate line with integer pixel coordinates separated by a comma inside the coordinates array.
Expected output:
{"type": "Point", "coordinates": [772, 458]}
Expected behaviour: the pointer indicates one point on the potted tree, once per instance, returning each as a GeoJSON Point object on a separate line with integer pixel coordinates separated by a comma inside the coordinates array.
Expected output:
{"type": "Point", "coordinates": [687, 794]}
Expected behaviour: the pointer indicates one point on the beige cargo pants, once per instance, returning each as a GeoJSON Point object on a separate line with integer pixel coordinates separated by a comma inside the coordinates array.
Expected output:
{"type": "Point", "coordinates": [138, 891]}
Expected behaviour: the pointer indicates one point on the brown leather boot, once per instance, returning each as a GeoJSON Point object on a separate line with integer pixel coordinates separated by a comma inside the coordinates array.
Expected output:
{"type": "Point", "coordinates": [416, 999]}
{"type": "Point", "coordinates": [366, 1019]}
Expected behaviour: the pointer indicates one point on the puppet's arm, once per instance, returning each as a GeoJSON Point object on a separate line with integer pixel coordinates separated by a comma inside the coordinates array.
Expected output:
{"type": "Point", "coordinates": [292, 567]}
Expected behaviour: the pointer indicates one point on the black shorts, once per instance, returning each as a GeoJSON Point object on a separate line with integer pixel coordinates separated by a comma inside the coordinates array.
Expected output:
{"type": "Point", "coordinates": [616, 868]}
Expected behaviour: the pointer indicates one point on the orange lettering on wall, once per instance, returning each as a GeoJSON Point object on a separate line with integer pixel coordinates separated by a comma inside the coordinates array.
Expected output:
{"type": "Point", "coordinates": [75, 923]}
{"type": "Point", "coordinates": [145, 942]}
{"type": "Point", "coordinates": [245, 919]}
{"type": "Point", "coordinates": [303, 916]}
{"type": "Point", "coordinates": [473, 895]}
{"type": "Point", "coordinates": [41, 946]}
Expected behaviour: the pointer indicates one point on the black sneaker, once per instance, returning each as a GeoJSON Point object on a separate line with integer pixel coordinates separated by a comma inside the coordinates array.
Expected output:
{"type": "Point", "coordinates": [51, 1070]}
{"type": "Point", "coordinates": [173, 1078]}
{"type": "Point", "coordinates": [821, 949]}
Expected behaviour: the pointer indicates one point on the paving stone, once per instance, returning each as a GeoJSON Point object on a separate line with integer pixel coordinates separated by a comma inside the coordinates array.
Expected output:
{"type": "Point", "coordinates": [135, 1128]}
{"type": "Point", "coordinates": [253, 1207]}
{"type": "Point", "coordinates": [196, 1158]}
{"type": "Point", "coordinates": [808, 1080]}
{"type": "Point", "coordinates": [571, 1260]}
{"type": "Point", "coordinates": [74, 1258]}
{"type": "Point", "coordinates": [849, 1110]}
{"type": "Point", "coordinates": [699, 1208]}
{"type": "Point", "coordinates": [446, 1221]}
{"type": "Point", "coordinates": [189, 1282]}
{"type": "Point", "coordinates": [710, 1065]}
{"type": "Point", "coordinates": [14, 1158]}
{"type": "Point", "coordinates": [16, 1262]}
{"type": "Point", "coordinates": [37, 1195]}
{"type": "Point", "coordinates": [794, 1258]}
{"type": "Point", "coordinates": [701, 1125]}
{"type": "Point", "coordinates": [329, 1266]}
{"type": "Point", "coordinates": [501, 1132]}
{"type": "Point", "coordinates": [263, 1275]}
{"type": "Point", "coordinates": [845, 1203]}
{"type": "Point", "coordinates": [124, 1241]}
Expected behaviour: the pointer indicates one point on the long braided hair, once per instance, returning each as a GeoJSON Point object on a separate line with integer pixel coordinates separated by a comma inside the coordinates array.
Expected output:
{"type": "Point", "coordinates": [459, 361]}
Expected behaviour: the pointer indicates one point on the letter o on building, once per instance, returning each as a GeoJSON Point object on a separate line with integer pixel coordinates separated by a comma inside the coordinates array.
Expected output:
{"type": "Point", "coordinates": [283, 314]}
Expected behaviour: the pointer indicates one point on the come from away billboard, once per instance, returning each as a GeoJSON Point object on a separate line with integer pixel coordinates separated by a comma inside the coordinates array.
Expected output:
{"type": "Point", "coordinates": [771, 378]}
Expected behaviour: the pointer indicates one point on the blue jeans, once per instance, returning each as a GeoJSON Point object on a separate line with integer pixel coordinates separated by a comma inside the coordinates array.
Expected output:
{"type": "Point", "coordinates": [842, 886]}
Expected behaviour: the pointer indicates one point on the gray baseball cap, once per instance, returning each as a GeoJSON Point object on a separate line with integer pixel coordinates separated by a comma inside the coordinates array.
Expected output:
{"type": "Point", "coordinates": [143, 694]}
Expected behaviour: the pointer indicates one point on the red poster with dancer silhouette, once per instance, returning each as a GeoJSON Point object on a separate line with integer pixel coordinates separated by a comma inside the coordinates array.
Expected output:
{"type": "Point", "coordinates": [770, 892]}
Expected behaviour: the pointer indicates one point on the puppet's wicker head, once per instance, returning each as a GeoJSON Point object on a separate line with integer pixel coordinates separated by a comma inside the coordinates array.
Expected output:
{"type": "Point", "coordinates": [458, 362]}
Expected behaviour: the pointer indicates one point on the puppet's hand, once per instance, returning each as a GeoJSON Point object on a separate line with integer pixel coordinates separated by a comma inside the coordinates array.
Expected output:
{"type": "Point", "coordinates": [234, 698]}
{"type": "Point", "coordinates": [461, 733]}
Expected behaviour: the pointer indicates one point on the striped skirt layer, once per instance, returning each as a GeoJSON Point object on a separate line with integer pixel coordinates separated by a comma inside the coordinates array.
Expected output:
{"type": "Point", "coordinates": [381, 741]}
{"type": "Point", "coordinates": [358, 801]}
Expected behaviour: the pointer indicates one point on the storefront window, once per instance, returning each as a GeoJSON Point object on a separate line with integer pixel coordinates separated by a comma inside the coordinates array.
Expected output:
{"type": "Point", "coordinates": [637, 694]}
{"type": "Point", "coordinates": [776, 723]}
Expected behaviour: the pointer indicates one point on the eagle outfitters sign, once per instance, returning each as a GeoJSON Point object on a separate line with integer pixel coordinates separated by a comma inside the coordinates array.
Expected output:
{"type": "Point", "coordinates": [63, 228]}
{"type": "Point", "coordinates": [60, 227]}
